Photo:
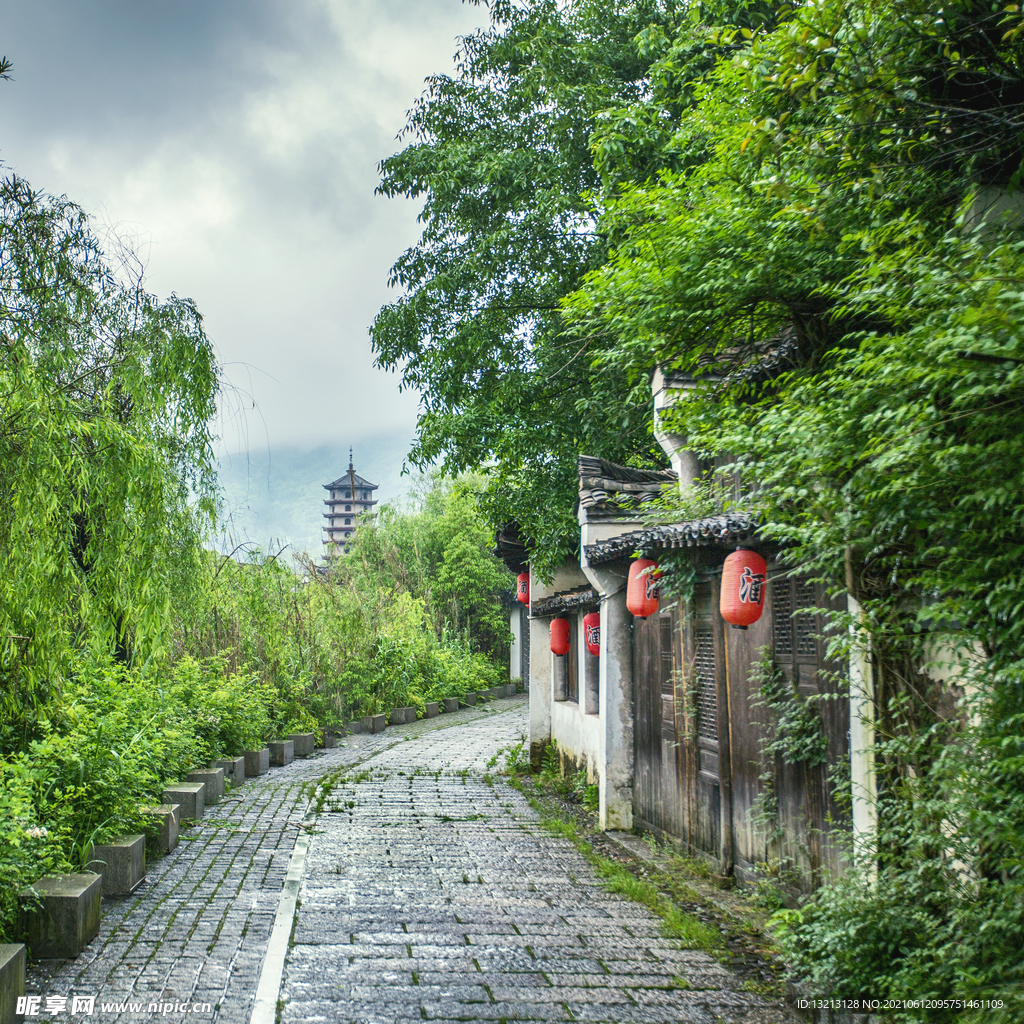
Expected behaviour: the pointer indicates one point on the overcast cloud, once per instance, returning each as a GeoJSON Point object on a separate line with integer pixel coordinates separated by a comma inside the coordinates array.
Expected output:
{"type": "Point", "coordinates": [235, 142]}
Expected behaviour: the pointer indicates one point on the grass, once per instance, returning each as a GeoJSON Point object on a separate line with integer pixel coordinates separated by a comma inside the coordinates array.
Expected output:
{"type": "Point", "coordinates": [667, 887]}
{"type": "Point", "coordinates": [675, 924]}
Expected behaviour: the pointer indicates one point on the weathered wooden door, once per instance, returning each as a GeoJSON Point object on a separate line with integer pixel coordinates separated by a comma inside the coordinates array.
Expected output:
{"type": "Point", "coordinates": [657, 789]}
{"type": "Point", "coordinates": [806, 803]}
{"type": "Point", "coordinates": [678, 680]}
{"type": "Point", "coordinates": [702, 761]}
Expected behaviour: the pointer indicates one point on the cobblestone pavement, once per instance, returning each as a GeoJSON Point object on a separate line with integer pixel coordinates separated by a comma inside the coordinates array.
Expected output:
{"type": "Point", "coordinates": [197, 930]}
{"type": "Point", "coordinates": [431, 892]}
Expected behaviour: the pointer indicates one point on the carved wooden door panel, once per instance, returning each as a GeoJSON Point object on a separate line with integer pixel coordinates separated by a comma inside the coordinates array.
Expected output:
{"type": "Point", "coordinates": [804, 795]}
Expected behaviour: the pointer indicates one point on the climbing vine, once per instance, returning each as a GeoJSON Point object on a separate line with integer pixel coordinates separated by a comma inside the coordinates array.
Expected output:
{"type": "Point", "coordinates": [796, 736]}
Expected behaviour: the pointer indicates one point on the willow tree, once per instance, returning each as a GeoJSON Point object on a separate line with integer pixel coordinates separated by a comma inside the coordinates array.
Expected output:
{"type": "Point", "coordinates": [106, 396]}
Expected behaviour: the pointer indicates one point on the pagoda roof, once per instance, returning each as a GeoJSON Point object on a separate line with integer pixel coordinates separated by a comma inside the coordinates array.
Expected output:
{"type": "Point", "coordinates": [346, 480]}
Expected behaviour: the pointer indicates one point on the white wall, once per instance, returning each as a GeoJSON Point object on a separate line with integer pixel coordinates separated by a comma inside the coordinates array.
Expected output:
{"type": "Point", "coordinates": [578, 734]}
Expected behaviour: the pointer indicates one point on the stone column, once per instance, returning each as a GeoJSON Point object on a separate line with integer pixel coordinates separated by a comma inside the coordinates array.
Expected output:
{"type": "Point", "coordinates": [615, 704]}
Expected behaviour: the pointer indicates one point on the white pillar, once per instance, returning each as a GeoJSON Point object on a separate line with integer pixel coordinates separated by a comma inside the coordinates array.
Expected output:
{"type": "Point", "coordinates": [615, 703]}
{"type": "Point", "coordinates": [515, 656]}
{"type": "Point", "coordinates": [540, 687]}
{"type": "Point", "coordinates": [862, 741]}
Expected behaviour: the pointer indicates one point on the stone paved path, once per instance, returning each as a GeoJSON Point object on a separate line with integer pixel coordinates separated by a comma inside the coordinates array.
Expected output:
{"type": "Point", "coordinates": [432, 893]}
{"type": "Point", "coordinates": [197, 930]}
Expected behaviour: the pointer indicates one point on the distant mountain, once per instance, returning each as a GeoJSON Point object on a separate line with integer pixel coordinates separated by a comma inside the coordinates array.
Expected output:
{"type": "Point", "coordinates": [274, 497]}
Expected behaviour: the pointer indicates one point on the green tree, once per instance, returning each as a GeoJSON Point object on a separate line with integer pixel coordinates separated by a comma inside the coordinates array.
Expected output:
{"type": "Point", "coordinates": [500, 155]}
{"type": "Point", "coordinates": [437, 550]}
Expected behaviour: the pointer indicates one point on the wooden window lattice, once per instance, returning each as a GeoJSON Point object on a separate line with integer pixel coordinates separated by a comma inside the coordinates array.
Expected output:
{"type": "Point", "coordinates": [667, 684]}
{"type": "Point", "coordinates": [806, 625]}
{"type": "Point", "coordinates": [782, 625]}
{"type": "Point", "coordinates": [707, 697]}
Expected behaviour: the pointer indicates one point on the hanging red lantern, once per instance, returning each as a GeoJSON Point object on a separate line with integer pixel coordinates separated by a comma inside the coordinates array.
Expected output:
{"type": "Point", "coordinates": [523, 587]}
{"type": "Point", "coordinates": [559, 636]}
{"type": "Point", "coordinates": [592, 632]}
{"type": "Point", "coordinates": [643, 587]}
{"type": "Point", "coordinates": [743, 584]}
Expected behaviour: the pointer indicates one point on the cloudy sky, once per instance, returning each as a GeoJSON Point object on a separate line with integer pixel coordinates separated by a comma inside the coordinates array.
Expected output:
{"type": "Point", "coordinates": [235, 144]}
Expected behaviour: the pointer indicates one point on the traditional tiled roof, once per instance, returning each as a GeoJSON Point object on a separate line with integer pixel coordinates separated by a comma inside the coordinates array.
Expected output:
{"type": "Point", "coordinates": [510, 547]}
{"type": "Point", "coordinates": [743, 361]}
{"type": "Point", "coordinates": [610, 491]}
{"type": "Point", "coordinates": [345, 481]}
{"type": "Point", "coordinates": [567, 601]}
{"type": "Point", "coordinates": [721, 530]}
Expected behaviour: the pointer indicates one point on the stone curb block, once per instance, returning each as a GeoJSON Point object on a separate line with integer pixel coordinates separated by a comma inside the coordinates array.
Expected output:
{"type": "Point", "coordinates": [402, 716]}
{"type": "Point", "coordinates": [121, 864]}
{"type": "Point", "coordinates": [374, 723]}
{"type": "Point", "coordinates": [68, 917]}
{"type": "Point", "coordinates": [214, 779]}
{"type": "Point", "coordinates": [257, 762]}
{"type": "Point", "coordinates": [169, 814]}
{"type": "Point", "coordinates": [303, 743]}
{"type": "Point", "coordinates": [190, 797]}
{"type": "Point", "coordinates": [432, 710]}
{"type": "Point", "coordinates": [330, 740]}
{"type": "Point", "coordinates": [12, 980]}
{"type": "Point", "coordinates": [450, 704]}
{"type": "Point", "coordinates": [469, 700]}
{"type": "Point", "coordinates": [234, 769]}
{"type": "Point", "coordinates": [356, 727]}
{"type": "Point", "coordinates": [282, 752]}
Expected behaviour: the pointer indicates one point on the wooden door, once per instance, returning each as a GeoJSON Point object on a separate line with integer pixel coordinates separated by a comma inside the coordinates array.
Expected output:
{"type": "Point", "coordinates": [658, 792]}
{"type": "Point", "coordinates": [806, 804]}
{"type": "Point", "coordinates": [702, 680]}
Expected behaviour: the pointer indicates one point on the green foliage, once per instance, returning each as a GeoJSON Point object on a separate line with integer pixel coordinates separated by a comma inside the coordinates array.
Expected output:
{"type": "Point", "coordinates": [130, 655]}
{"type": "Point", "coordinates": [411, 613]}
{"type": "Point", "coordinates": [810, 251]}
{"type": "Point", "coordinates": [109, 747]}
{"type": "Point", "coordinates": [499, 155]}
{"type": "Point", "coordinates": [105, 398]}
{"type": "Point", "coordinates": [517, 759]}
{"type": "Point", "coordinates": [29, 847]}
{"type": "Point", "coordinates": [797, 733]}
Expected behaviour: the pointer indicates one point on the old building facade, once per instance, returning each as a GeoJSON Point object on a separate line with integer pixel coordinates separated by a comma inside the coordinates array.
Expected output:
{"type": "Point", "coordinates": [670, 719]}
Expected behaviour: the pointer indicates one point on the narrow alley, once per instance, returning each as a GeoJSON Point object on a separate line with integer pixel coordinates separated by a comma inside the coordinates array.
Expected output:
{"type": "Point", "coordinates": [427, 890]}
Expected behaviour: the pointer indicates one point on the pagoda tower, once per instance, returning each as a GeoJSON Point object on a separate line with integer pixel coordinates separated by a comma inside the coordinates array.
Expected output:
{"type": "Point", "coordinates": [348, 497]}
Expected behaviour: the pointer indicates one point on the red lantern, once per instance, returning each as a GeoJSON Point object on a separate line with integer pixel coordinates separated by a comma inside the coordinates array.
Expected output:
{"type": "Point", "coordinates": [523, 587]}
{"type": "Point", "coordinates": [642, 590]}
{"type": "Point", "coordinates": [559, 636]}
{"type": "Point", "coordinates": [743, 580]}
{"type": "Point", "coordinates": [592, 632]}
